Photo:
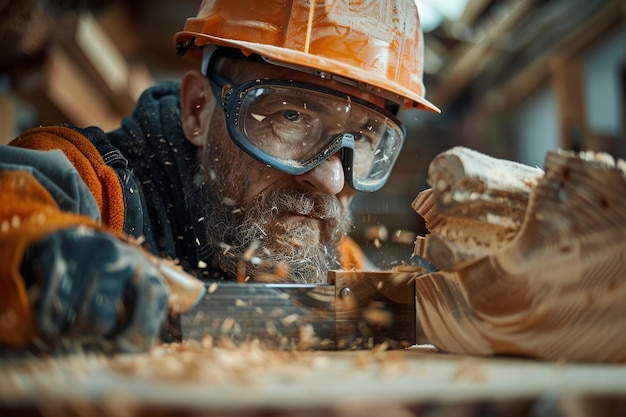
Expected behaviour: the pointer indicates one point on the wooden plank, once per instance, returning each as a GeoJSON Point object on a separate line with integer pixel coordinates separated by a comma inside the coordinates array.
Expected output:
{"type": "Point", "coordinates": [105, 59]}
{"type": "Point", "coordinates": [62, 93]}
{"type": "Point", "coordinates": [7, 117]}
{"type": "Point", "coordinates": [567, 84]}
{"type": "Point", "coordinates": [29, 85]}
{"type": "Point", "coordinates": [621, 147]}
{"type": "Point", "coordinates": [73, 94]}
{"type": "Point", "coordinates": [92, 49]}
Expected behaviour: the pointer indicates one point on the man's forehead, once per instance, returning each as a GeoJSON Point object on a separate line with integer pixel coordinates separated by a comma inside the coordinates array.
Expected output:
{"type": "Point", "coordinates": [240, 71]}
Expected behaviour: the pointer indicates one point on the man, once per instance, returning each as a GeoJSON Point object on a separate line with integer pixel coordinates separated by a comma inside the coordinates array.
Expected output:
{"type": "Point", "coordinates": [245, 170]}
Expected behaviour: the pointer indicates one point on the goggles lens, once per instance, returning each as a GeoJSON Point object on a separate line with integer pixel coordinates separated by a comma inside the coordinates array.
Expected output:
{"type": "Point", "coordinates": [294, 127]}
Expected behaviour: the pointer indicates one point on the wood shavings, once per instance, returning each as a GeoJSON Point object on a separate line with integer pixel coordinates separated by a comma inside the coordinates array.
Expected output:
{"type": "Point", "coordinates": [247, 255]}
{"type": "Point", "coordinates": [290, 319]}
{"type": "Point", "coordinates": [306, 337]}
{"type": "Point", "coordinates": [207, 341]}
{"type": "Point", "coordinates": [378, 232]}
{"type": "Point", "coordinates": [471, 371]}
{"type": "Point", "coordinates": [225, 248]}
{"type": "Point", "coordinates": [281, 271]}
{"type": "Point", "coordinates": [242, 303]}
{"type": "Point", "coordinates": [404, 236]}
{"type": "Point", "coordinates": [227, 324]}
{"type": "Point", "coordinates": [192, 378]}
{"type": "Point", "coordinates": [377, 316]}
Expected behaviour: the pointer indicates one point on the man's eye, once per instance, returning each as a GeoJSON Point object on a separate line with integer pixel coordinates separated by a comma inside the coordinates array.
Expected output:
{"type": "Point", "coordinates": [291, 115]}
{"type": "Point", "coordinates": [363, 140]}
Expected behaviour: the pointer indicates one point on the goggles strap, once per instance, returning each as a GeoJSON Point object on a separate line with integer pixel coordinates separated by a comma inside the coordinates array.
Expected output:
{"type": "Point", "coordinates": [207, 56]}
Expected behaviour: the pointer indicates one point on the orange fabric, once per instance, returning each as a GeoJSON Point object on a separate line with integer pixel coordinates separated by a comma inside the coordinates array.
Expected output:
{"type": "Point", "coordinates": [352, 257]}
{"type": "Point", "coordinates": [27, 213]}
{"type": "Point", "coordinates": [101, 179]}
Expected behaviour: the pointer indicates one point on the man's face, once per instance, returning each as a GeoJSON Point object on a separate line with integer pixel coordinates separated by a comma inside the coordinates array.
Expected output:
{"type": "Point", "coordinates": [265, 224]}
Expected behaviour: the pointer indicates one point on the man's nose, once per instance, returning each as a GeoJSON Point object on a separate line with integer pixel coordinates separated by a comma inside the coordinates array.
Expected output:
{"type": "Point", "coordinates": [327, 177]}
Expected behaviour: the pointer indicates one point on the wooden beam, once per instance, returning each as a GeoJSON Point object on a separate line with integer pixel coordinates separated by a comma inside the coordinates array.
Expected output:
{"type": "Point", "coordinates": [595, 29]}
{"type": "Point", "coordinates": [7, 117]}
{"type": "Point", "coordinates": [621, 147]}
{"type": "Point", "coordinates": [62, 93]}
{"type": "Point", "coordinates": [537, 74]}
{"type": "Point", "coordinates": [474, 10]}
{"type": "Point", "coordinates": [567, 83]}
{"type": "Point", "coordinates": [101, 54]}
{"type": "Point", "coordinates": [469, 60]}
{"type": "Point", "coordinates": [102, 62]}
{"type": "Point", "coordinates": [85, 79]}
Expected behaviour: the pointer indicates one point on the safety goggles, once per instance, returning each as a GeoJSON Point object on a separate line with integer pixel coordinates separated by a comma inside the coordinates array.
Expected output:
{"type": "Point", "coordinates": [294, 127]}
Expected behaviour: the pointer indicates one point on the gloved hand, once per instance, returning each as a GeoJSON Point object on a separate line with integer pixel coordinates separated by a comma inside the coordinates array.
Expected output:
{"type": "Point", "coordinates": [91, 286]}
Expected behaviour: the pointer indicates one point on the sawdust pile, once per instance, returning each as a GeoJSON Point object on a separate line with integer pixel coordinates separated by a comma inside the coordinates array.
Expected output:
{"type": "Point", "coordinates": [184, 377]}
{"type": "Point", "coordinates": [250, 364]}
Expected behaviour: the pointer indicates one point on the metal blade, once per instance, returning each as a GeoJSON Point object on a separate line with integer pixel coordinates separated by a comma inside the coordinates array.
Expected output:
{"type": "Point", "coordinates": [357, 310]}
{"type": "Point", "coordinates": [276, 315]}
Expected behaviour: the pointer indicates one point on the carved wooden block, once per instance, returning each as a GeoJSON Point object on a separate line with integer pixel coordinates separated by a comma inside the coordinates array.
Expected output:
{"type": "Point", "coordinates": [476, 205]}
{"type": "Point", "coordinates": [529, 263]}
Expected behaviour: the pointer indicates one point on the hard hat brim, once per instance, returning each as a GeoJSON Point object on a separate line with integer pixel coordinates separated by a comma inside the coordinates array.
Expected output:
{"type": "Point", "coordinates": [412, 100]}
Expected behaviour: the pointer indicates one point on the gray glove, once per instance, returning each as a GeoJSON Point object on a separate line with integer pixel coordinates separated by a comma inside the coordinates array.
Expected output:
{"type": "Point", "coordinates": [94, 287]}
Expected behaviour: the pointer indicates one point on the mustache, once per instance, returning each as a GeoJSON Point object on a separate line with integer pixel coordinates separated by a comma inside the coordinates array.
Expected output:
{"type": "Point", "coordinates": [321, 206]}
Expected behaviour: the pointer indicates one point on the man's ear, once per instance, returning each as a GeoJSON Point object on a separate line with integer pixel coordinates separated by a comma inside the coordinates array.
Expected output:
{"type": "Point", "coordinates": [196, 106]}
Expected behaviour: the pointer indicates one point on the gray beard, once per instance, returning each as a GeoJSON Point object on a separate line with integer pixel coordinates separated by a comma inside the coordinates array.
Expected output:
{"type": "Point", "coordinates": [251, 242]}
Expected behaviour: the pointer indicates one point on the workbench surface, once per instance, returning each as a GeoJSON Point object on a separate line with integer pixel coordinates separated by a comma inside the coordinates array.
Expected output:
{"type": "Point", "coordinates": [245, 380]}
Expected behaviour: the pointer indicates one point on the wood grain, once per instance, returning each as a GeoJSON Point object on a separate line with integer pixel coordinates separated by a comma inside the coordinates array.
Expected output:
{"type": "Point", "coordinates": [553, 287]}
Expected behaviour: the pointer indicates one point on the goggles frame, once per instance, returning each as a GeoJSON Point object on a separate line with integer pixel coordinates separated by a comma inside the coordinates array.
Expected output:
{"type": "Point", "coordinates": [230, 97]}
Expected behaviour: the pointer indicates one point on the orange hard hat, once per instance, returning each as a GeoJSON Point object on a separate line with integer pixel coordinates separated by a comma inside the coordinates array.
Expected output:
{"type": "Point", "coordinates": [378, 44]}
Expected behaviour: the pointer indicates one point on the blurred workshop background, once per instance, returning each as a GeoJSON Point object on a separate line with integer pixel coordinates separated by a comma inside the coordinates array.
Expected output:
{"type": "Point", "coordinates": [514, 78]}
